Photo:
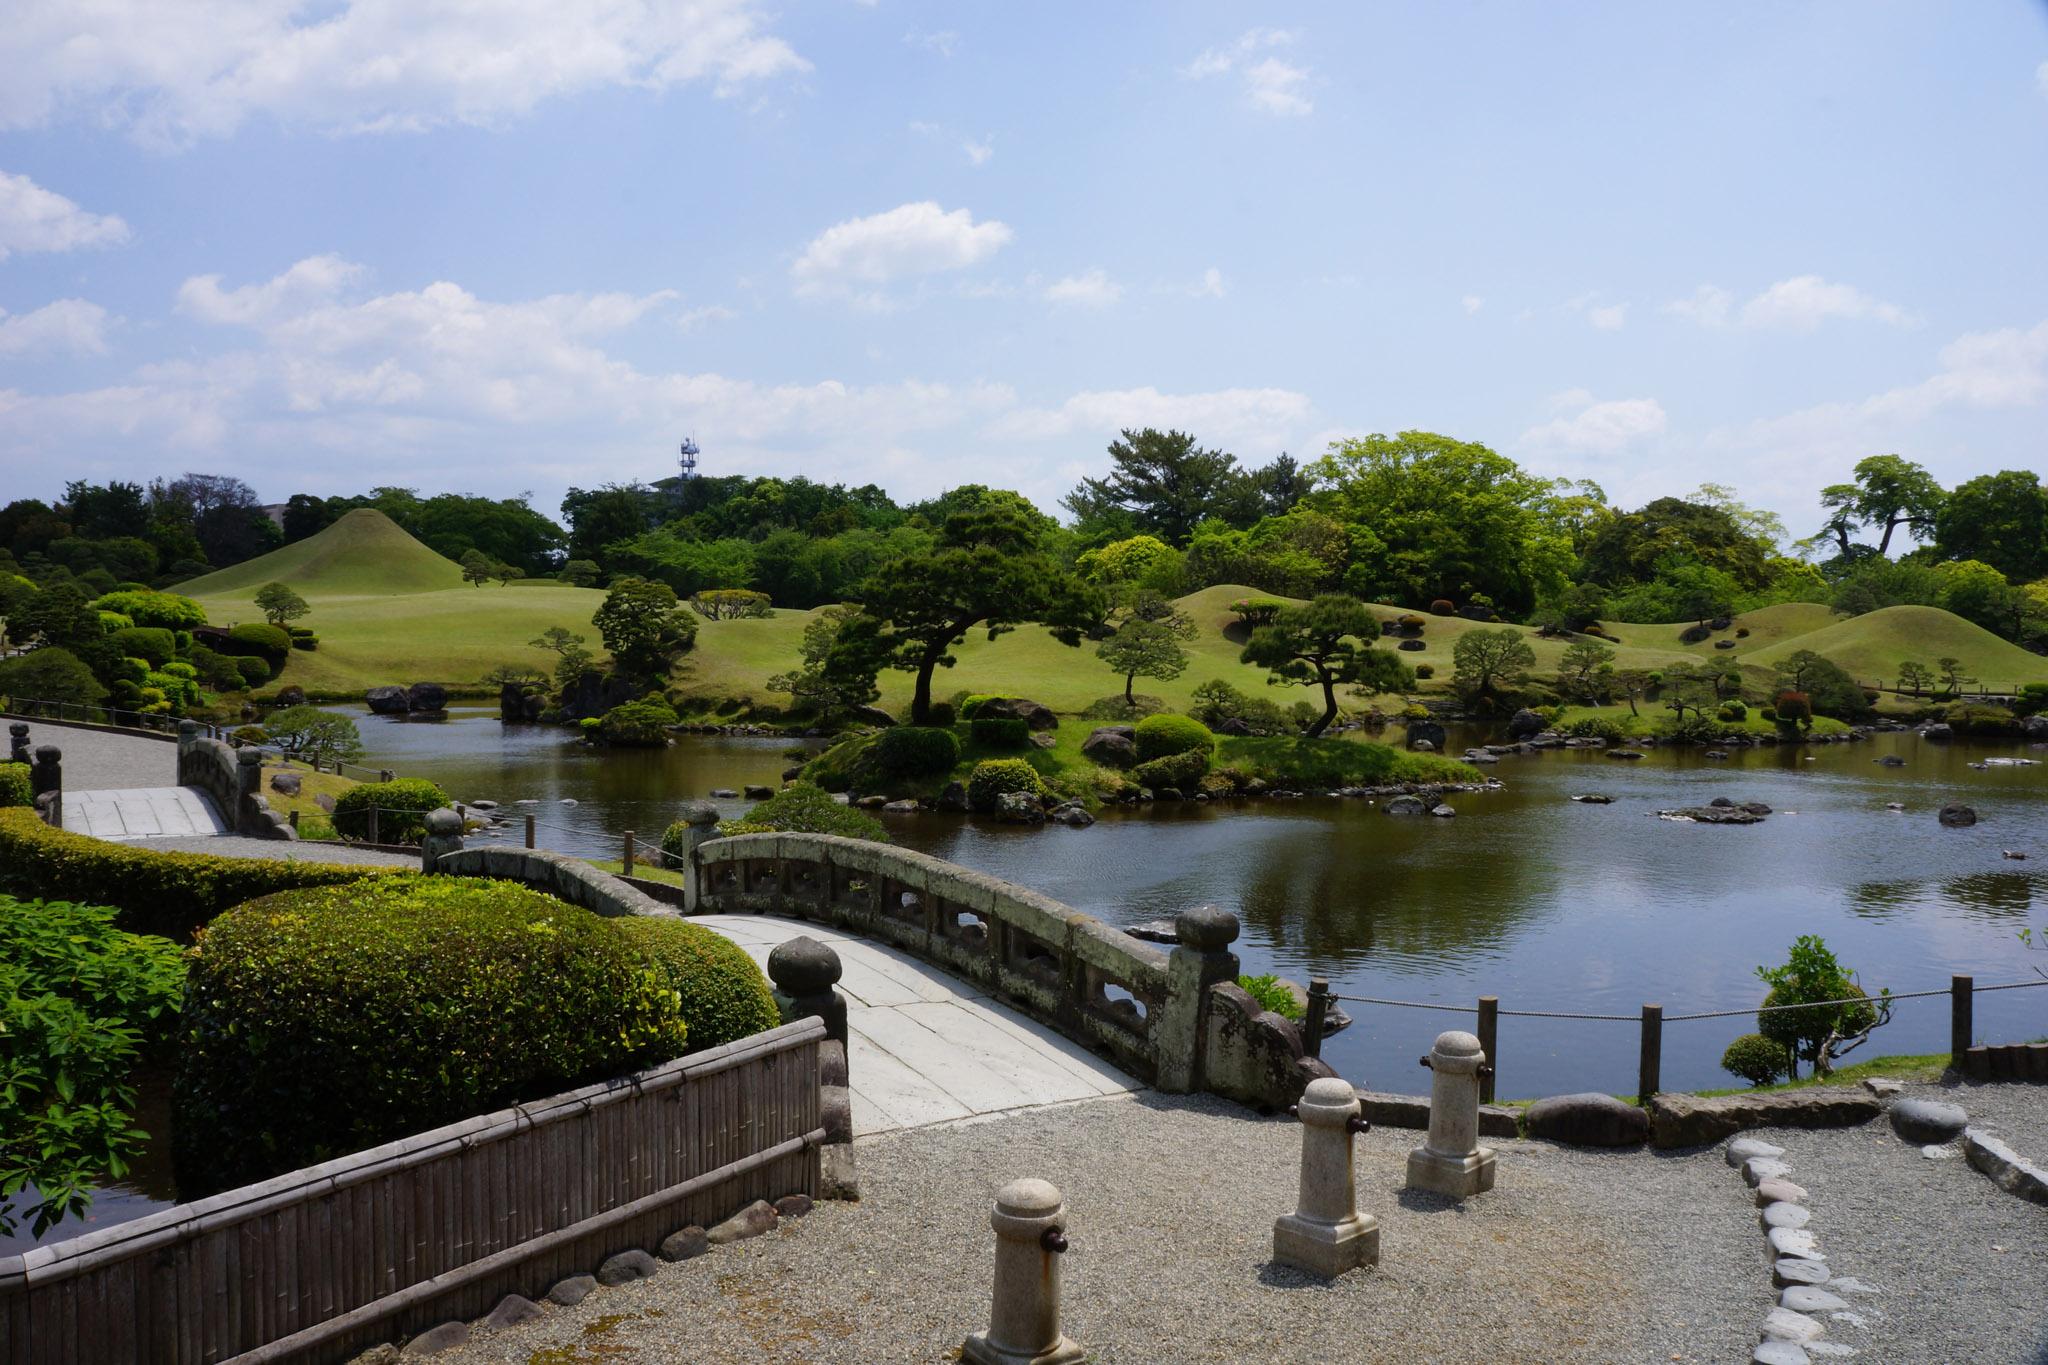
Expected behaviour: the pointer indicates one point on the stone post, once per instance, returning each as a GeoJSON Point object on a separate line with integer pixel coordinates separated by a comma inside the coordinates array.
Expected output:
{"type": "Point", "coordinates": [248, 789]}
{"type": "Point", "coordinates": [1200, 960]}
{"type": "Point", "coordinates": [1024, 1321]}
{"type": "Point", "coordinates": [702, 818]}
{"type": "Point", "coordinates": [804, 972]}
{"type": "Point", "coordinates": [1452, 1161]}
{"type": "Point", "coordinates": [17, 743]}
{"type": "Point", "coordinates": [1326, 1235]}
{"type": "Point", "coordinates": [443, 835]}
{"type": "Point", "coordinates": [46, 783]}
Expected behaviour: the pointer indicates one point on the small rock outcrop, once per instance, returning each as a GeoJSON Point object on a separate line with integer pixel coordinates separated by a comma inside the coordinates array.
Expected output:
{"type": "Point", "coordinates": [1587, 1120]}
{"type": "Point", "coordinates": [1940, 732]}
{"type": "Point", "coordinates": [684, 1244]}
{"type": "Point", "coordinates": [1928, 1121]}
{"type": "Point", "coordinates": [572, 1291]}
{"type": "Point", "coordinates": [751, 1221]}
{"type": "Point", "coordinates": [953, 798]}
{"type": "Point", "coordinates": [1405, 805]}
{"type": "Point", "coordinates": [1525, 723]}
{"type": "Point", "coordinates": [872, 715]}
{"type": "Point", "coordinates": [1019, 808]}
{"type": "Point", "coordinates": [625, 1267]}
{"type": "Point", "coordinates": [388, 700]}
{"type": "Point", "coordinates": [1113, 746]}
{"type": "Point", "coordinates": [1956, 815]}
{"type": "Point", "coordinates": [285, 783]}
{"type": "Point", "coordinates": [1018, 708]}
{"type": "Point", "coordinates": [1695, 1121]}
{"type": "Point", "coordinates": [426, 696]}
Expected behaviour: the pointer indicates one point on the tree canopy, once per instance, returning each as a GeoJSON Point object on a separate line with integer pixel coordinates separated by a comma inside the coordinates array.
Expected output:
{"type": "Point", "coordinates": [1323, 644]}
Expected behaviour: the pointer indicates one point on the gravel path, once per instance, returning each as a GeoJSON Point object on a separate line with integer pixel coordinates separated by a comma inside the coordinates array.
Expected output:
{"type": "Point", "coordinates": [2016, 1113]}
{"type": "Point", "coordinates": [100, 760]}
{"type": "Point", "coordinates": [1574, 1257]}
{"type": "Point", "coordinates": [234, 846]}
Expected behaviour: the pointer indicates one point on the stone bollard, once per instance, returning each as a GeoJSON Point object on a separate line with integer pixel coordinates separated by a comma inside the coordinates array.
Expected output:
{"type": "Point", "coordinates": [1024, 1321]}
{"type": "Point", "coordinates": [188, 735]}
{"type": "Point", "coordinates": [1452, 1162]}
{"type": "Point", "coordinates": [1326, 1235]}
{"type": "Point", "coordinates": [804, 972]}
{"type": "Point", "coordinates": [1201, 960]}
{"type": "Point", "coordinates": [443, 835]}
{"type": "Point", "coordinates": [46, 783]}
{"type": "Point", "coordinates": [17, 744]}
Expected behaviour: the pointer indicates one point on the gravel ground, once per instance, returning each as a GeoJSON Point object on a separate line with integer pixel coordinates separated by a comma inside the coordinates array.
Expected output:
{"type": "Point", "coordinates": [2016, 1113]}
{"type": "Point", "coordinates": [1961, 1266]}
{"type": "Point", "coordinates": [99, 760]}
{"type": "Point", "coordinates": [234, 846]}
{"type": "Point", "coordinates": [1574, 1257]}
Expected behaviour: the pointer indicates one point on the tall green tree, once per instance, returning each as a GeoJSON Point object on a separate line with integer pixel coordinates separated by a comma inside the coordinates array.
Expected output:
{"type": "Point", "coordinates": [2001, 519]}
{"type": "Point", "coordinates": [1437, 517]}
{"type": "Point", "coordinates": [1489, 663]}
{"type": "Point", "coordinates": [280, 604]}
{"type": "Point", "coordinates": [476, 567]}
{"type": "Point", "coordinates": [1633, 546]}
{"type": "Point", "coordinates": [987, 570]}
{"type": "Point", "coordinates": [645, 628]}
{"type": "Point", "coordinates": [1165, 484]}
{"type": "Point", "coordinates": [842, 654]}
{"type": "Point", "coordinates": [1887, 493]}
{"type": "Point", "coordinates": [1144, 649]}
{"type": "Point", "coordinates": [1323, 644]}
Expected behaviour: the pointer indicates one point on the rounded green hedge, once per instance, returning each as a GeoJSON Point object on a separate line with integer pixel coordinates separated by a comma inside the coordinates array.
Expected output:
{"type": "Point", "coordinates": [1182, 771]}
{"type": "Point", "coordinates": [271, 642]}
{"type": "Point", "coordinates": [1757, 1059]}
{"type": "Point", "coordinates": [402, 807]}
{"type": "Point", "coordinates": [320, 1022]}
{"type": "Point", "coordinates": [995, 777]}
{"type": "Point", "coordinates": [15, 788]}
{"type": "Point", "coordinates": [804, 808]}
{"type": "Point", "coordinates": [152, 644]}
{"type": "Point", "coordinates": [916, 751]}
{"type": "Point", "coordinates": [253, 671]}
{"type": "Point", "coordinates": [150, 608]}
{"type": "Point", "coordinates": [722, 992]}
{"type": "Point", "coordinates": [1161, 735]}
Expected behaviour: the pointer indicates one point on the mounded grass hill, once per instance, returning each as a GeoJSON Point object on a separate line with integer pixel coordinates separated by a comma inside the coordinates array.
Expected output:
{"type": "Point", "coordinates": [1767, 626]}
{"type": "Point", "coordinates": [363, 554]}
{"type": "Point", "coordinates": [1873, 646]}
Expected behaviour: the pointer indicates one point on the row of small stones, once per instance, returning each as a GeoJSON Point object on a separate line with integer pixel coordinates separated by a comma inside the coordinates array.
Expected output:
{"type": "Point", "coordinates": [623, 1268]}
{"type": "Point", "coordinates": [1792, 1331]}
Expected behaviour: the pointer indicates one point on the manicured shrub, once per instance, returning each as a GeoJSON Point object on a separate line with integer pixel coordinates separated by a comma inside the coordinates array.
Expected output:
{"type": "Point", "coordinates": [1692, 635]}
{"type": "Point", "coordinates": [306, 642]}
{"type": "Point", "coordinates": [2032, 699]}
{"type": "Point", "coordinates": [918, 750]}
{"type": "Point", "coordinates": [1425, 671]}
{"type": "Point", "coordinates": [1769, 713]}
{"type": "Point", "coordinates": [1757, 1059]}
{"type": "Point", "coordinates": [940, 713]}
{"type": "Point", "coordinates": [973, 702]}
{"type": "Point", "coordinates": [720, 604]}
{"type": "Point", "coordinates": [113, 621]}
{"type": "Point", "coordinates": [157, 893]}
{"type": "Point", "coordinates": [1158, 736]}
{"type": "Point", "coordinates": [254, 671]}
{"type": "Point", "coordinates": [723, 993]}
{"type": "Point", "coordinates": [1794, 708]}
{"type": "Point", "coordinates": [1182, 771]}
{"type": "Point", "coordinates": [323, 1021]}
{"type": "Point", "coordinates": [1257, 611]}
{"type": "Point", "coordinates": [994, 777]}
{"type": "Point", "coordinates": [1410, 622]}
{"type": "Point", "coordinates": [641, 724]}
{"type": "Point", "coordinates": [402, 806]}
{"type": "Point", "coordinates": [269, 642]}
{"type": "Point", "coordinates": [152, 644]}
{"type": "Point", "coordinates": [51, 673]}
{"type": "Point", "coordinates": [15, 789]}
{"type": "Point", "coordinates": [802, 808]}
{"type": "Point", "coordinates": [1733, 710]}
{"type": "Point", "coordinates": [1441, 607]}
{"type": "Point", "coordinates": [166, 609]}
{"type": "Point", "coordinates": [999, 732]}
{"type": "Point", "coordinates": [1742, 633]}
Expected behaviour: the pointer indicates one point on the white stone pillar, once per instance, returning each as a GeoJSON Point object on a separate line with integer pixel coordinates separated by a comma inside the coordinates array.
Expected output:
{"type": "Point", "coordinates": [1452, 1161]}
{"type": "Point", "coordinates": [1024, 1323]}
{"type": "Point", "coordinates": [1326, 1235]}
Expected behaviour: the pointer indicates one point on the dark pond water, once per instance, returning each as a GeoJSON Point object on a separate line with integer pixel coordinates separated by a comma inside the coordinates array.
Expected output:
{"type": "Point", "coordinates": [1548, 904]}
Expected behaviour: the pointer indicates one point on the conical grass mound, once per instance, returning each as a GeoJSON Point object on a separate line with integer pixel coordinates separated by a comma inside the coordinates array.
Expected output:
{"type": "Point", "coordinates": [365, 554]}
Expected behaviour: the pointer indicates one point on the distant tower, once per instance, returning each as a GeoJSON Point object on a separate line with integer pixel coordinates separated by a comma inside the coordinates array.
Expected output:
{"type": "Point", "coordinates": [687, 463]}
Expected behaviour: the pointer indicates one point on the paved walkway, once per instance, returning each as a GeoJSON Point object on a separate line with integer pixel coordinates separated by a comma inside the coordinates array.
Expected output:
{"type": "Point", "coordinates": [141, 813]}
{"type": "Point", "coordinates": [104, 760]}
{"type": "Point", "coordinates": [925, 1047]}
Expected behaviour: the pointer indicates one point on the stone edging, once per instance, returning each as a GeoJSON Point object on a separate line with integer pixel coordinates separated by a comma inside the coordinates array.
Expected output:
{"type": "Point", "coordinates": [1791, 1332]}
{"type": "Point", "coordinates": [2008, 1170]}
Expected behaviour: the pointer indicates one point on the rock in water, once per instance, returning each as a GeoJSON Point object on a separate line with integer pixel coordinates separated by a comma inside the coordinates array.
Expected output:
{"type": "Point", "coordinates": [388, 700]}
{"type": "Point", "coordinates": [1405, 805]}
{"type": "Point", "coordinates": [1956, 815]}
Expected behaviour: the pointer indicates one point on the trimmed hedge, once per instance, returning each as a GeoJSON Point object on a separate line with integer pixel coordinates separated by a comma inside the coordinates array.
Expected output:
{"type": "Point", "coordinates": [995, 777]}
{"type": "Point", "coordinates": [157, 893]}
{"type": "Point", "coordinates": [724, 995]}
{"type": "Point", "coordinates": [15, 788]}
{"type": "Point", "coordinates": [1181, 771]}
{"type": "Point", "coordinates": [323, 1021]}
{"type": "Point", "coordinates": [401, 814]}
{"type": "Point", "coordinates": [916, 751]}
{"type": "Point", "coordinates": [153, 645]}
{"type": "Point", "coordinates": [805, 808]}
{"type": "Point", "coordinates": [999, 732]}
{"type": "Point", "coordinates": [146, 607]}
{"type": "Point", "coordinates": [254, 671]}
{"type": "Point", "coordinates": [269, 642]}
{"type": "Point", "coordinates": [1161, 735]}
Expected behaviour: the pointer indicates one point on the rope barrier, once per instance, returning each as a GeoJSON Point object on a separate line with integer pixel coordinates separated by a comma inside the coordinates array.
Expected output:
{"type": "Point", "coordinates": [1672, 1018]}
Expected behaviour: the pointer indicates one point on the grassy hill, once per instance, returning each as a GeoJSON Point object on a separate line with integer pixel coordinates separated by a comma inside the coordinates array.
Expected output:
{"type": "Point", "coordinates": [1873, 646]}
{"type": "Point", "coordinates": [1767, 626]}
{"type": "Point", "coordinates": [364, 554]}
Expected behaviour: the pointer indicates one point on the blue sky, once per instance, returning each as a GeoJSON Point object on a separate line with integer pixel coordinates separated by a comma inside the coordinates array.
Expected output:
{"type": "Point", "coordinates": [529, 245]}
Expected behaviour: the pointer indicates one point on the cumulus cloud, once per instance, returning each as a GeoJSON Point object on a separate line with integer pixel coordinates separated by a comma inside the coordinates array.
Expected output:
{"type": "Point", "coordinates": [176, 72]}
{"type": "Point", "coordinates": [1240, 416]}
{"type": "Point", "coordinates": [1090, 289]}
{"type": "Point", "coordinates": [1210, 286]}
{"type": "Point", "coordinates": [35, 219]}
{"type": "Point", "coordinates": [1585, 426]}
{"type": "Point", "coordinates": [66, 327]}
{"type": "Point", "coordinates": [1798, 304]}
{"type": "Point", "coordinates": [313, 280]}
{"type": "Point", "coordinates": [1606, 317]}
{"type": "Point", "coordinates": [1269, 85]}
{"type": "Point", "coordinates": [1472, 303]}
{"type": "Point", "coordinates": [855, 258]}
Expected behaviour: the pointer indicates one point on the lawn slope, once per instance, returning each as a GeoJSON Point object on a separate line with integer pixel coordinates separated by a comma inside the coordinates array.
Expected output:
{"type": "Point", "coordinates": [1873, 646]}
{"type": "Point", "coordinates": [365, 554]}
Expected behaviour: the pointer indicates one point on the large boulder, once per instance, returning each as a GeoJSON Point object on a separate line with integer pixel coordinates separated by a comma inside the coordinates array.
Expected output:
{"type": "Point", "coordinates": [1525, 723]}
{"type": "Point", "coordinates": [426, 696]}
{"type": "Point", "coordinates": [388, 700]}
{"type": "Point", "coordinates": [1928, 1121]}
{"type": "Point", "coordinates": [1017, 708]}
{"type": "Point", "coordinates": [296, 696]}
{"type": "Point", "coordinates": [1587, 1120]}
{"type": "Point", "coordinates": [285, 783]}
{"type": "Point", "coordinates": [1425, 730]}
{"type": "Point", "coordinates": [1940, 731]}
{"type": "Point", "coordinates": [954, 798]}
{"type": "Point", "coordinates": [872, 715]}
{"type": "Point", "coordinates": [1693, 1121]}
{"type": "Point", "coordinates": [1956, 815]}
{"type": "Point", "coordinates": [1405, 805]}
{"type": "Point", "coordinates": [2035, 727]}
{"type": "Point", "coordinates": [1112, 746]}
{"type": "Point", "coordinates": [1019, 808]}
{"type": "Point", "coordinates": [594, 693]}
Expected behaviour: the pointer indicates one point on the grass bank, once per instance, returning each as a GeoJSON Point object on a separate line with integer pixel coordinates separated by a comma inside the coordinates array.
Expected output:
{"type": "Point", "coordinates": [1645, 725]}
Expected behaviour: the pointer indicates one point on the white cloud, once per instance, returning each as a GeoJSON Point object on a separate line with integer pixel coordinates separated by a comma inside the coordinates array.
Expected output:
{"type": "Point", "coordinates": [856, 257]}
{"type": "Point", "coordinates": [944, 42]}
{"type": "Point", "coordinates": [697, 317]}
{"type": "Point", "coordinates": [1210, 286]}
{"type": "Point", "coordinates": [1090, 289]}
{"type": "Point", "coordinates": [35, 219]}
{"type": "Point", "coordinates": [978, 153]}
{"type": "Point", "coordinates": [1587, 427]}
{"type": "Point", "coordinates": [1472, 303]}
{"type": "Point", "coordinates": [1610, 318]}
{"type": "Point", "coordinates": [1798, 304]}
{"type": "Point", "coordinates": [68, 326]}
{"type": "Point", "coordinates": [1241, 416]}
{"type": "Point", "coordinates": [175, 72]}
{"type": "Point", "coordinates": [1270, 85]}
{"type": "Point", "coordinates": [313, 280]}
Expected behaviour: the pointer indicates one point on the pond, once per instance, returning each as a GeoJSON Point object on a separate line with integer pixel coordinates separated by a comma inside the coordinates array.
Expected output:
{"type": "Point", "coordinates": [1551, 905]}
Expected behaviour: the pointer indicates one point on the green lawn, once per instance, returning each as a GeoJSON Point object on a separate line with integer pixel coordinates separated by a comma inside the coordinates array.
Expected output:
{"type": "Point", "coordinates": [1873, 646]}
{"type": "Point", "coordinates": [1652, 714]}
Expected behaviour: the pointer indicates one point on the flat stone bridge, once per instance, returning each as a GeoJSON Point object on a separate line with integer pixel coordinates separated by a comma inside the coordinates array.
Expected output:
{"type": "Point", "coordinates": [125, 787]}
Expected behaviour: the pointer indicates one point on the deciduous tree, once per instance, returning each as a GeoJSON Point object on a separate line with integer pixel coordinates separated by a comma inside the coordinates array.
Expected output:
{"type": "Point", "coordinates": [280, 604]}
{"type": "Point", "coordinates": [645, 629]}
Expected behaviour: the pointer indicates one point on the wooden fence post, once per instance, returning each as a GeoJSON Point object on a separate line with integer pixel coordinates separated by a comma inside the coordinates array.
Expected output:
{"type": "Point", "coordinates": [1649, 1070]}
{"type": "Point", "coordinates": [1489, 1033]}
{"type": "Point", "coordinates": [1961, 1025]}
{"type": "Point", "coordinates": [626, 868]}
{"type": "Point", "coordinates": [373, 826]}
{"type": "Point", "coordinates": [1318, 1011]}
{"type": "Point", "coordinates": [529, 831]}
